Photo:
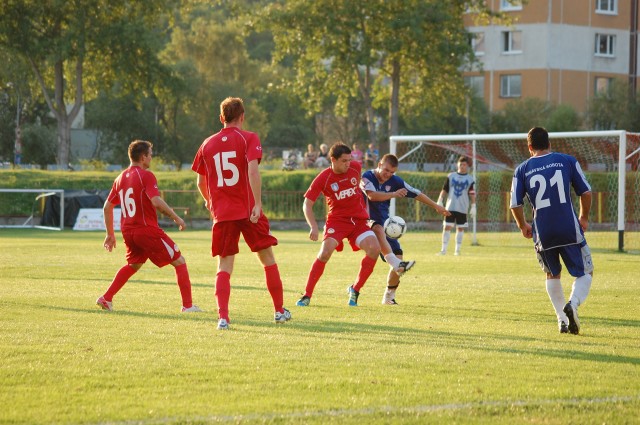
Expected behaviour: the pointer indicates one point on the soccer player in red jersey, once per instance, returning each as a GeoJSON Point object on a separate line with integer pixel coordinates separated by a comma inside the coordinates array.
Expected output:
{"type": "Point", "coordinates": [347, 217]}
{"type": "Point", "coordinates": [136, 191]}
{"type": "Point", "coordinates": [230, 183]}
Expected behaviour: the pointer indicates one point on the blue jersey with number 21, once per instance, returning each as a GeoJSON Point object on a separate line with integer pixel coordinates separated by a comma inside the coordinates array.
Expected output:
{"type": "Point", "coordinates": [546, 181]}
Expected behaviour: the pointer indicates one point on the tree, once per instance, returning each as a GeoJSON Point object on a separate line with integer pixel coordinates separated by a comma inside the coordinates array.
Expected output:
{"type": "Point", "coordinates": [614, 109]}
{"type": "Point", "coordinates": [401, 53]}
{"type": "Point", "coordinates": [76, 47]}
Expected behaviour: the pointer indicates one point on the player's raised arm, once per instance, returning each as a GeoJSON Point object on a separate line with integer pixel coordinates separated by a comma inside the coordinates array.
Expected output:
{"type": "Point", "coordinates": [430, 202]}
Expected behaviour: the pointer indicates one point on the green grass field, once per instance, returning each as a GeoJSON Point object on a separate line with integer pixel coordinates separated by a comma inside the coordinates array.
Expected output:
{"type": "Point", "coordinates": [474, 339]}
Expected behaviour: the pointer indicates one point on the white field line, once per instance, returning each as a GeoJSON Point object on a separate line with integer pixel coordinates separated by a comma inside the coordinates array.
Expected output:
{"type": "Point", "coordinates": [377, 410]}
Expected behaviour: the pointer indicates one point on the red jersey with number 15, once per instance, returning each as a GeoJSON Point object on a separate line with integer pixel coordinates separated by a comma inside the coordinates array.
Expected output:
{"type": "Point", "coordinates": [133, 190]}
{"type": "Point", "coordinates": [344, 197]}
{"type": "Point", "coordinates": [223, 160]}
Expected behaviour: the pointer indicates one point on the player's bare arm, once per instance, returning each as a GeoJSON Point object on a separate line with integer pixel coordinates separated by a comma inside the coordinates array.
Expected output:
{"type": "Point", "coordinates": [585, 208]}
{"type": "Point", "coordinates": [376, 196]}
{"type": "Point", "coordinates": [164, 208]}
{"type": "Point", "coordinates": [256, 187]}
{"type": "Point", "coordinates": [203, 188]}
{"type": "Point", "coordinates": [518, 215]}
{"type": "Point", "coordinates": [443, 193]}
{"type": "Point", "coordinates": [307, 209]}
{"type": "Point", "coordinates": [430, 202]}
{"type": "Point", "coordinates": [110, 238]}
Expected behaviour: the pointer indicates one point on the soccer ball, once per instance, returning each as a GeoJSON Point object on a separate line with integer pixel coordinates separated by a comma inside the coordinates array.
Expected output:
{"type": "Point", "coordinates": [395, 227]}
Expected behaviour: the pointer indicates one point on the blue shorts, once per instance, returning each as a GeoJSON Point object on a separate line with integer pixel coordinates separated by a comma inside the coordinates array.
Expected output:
{"type": "Point", "coordinates": [576, 258]}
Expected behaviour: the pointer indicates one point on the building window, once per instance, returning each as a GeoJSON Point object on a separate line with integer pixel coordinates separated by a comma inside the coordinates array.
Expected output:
{"type": "Point", "coordinates": [608, 7]}
{"type": "Point", "coordinates": [510, 5]}
{"type": "Point", "coordinates": [510, 86]}
{"type": "Point", "coordinates": [512, 42]}
{"type": "Point", "coordinates": [603, 85]}
{"type": "Point", "coordinates": [476, 41]}
{"type": "Point", "coordinates": [476, 85]}
{"type": "Point", "coordinates": [605, 44]}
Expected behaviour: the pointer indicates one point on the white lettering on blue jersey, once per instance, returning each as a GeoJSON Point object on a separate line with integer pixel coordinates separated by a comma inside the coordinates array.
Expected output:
{"type": "Point", "coordinates": [546, 181]}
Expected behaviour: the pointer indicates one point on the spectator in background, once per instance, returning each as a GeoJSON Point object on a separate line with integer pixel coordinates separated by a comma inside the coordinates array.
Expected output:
{"type": "Point", "coordinates": [357, 155]}
{"type": "Point", "coordinates": [310, 157]}
{"type": "Point", "coordinates": [323, 156]}
{"type": "Point", "coordinates": [371, 156]}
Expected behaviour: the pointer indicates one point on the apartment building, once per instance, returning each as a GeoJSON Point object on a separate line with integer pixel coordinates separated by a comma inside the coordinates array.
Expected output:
{"type": "Point", "coordinates": [562, 51]}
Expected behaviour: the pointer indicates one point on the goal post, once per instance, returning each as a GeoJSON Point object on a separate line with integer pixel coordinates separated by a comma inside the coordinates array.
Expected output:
{"type": "Point", "coordinates": [609, 158]}
{"type": "Point", "coordinates": [22, 206]}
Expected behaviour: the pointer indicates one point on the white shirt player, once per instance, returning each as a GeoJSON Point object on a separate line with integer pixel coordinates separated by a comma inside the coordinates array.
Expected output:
{"type": "Point", "coordinates": [458, 186]}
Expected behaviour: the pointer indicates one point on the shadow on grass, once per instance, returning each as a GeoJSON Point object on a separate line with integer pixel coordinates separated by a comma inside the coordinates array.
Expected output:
{"type": "Point", "coordinates": [391, 333]}
{"type": "Point", "coordinates": [454, 340]}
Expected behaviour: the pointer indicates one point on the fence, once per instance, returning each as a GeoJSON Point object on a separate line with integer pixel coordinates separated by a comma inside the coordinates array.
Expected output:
{"type": "Point", "coordinates": [277, 205]}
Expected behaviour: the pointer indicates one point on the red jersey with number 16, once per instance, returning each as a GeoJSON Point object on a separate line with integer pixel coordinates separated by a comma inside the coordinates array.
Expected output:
{"type": "Point", "coordinates": [133, 190]}
{"type": "Point", "coordinates": [223, 160]}
{"type": "Point", "coordinates": [344, 197]}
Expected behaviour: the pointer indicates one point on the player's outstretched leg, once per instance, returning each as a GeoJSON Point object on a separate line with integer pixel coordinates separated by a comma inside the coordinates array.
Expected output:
{"type": "Point", "coordinates": [122, 276]}
{"type": "Point", "coordinates": [315, 273]}
{"type": "Point", "coordinates": [106, 305]}
{"type": "Point", "coordinates": [405, 266]}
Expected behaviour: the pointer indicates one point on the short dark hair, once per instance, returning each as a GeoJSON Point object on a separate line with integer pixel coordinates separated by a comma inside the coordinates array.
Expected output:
{"type": "Point", "coordinates": [390, 158]}
{"type": "Point", "coordinates": [463, 158]}
{"type": "Point", "coordinates": [538, 139]}
{"type": "Point", "coordinates": [231, 109]}
{"type": "Point", "coordinates": [138, 148]}
{"type": "Point", "coordinates": [338, 149]}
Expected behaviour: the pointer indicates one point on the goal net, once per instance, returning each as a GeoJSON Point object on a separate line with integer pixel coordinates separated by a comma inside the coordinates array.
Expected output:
{"type": "Point", "coordinates": [609, 158]}
{"type": "Point", "coordinates": [23, 208]}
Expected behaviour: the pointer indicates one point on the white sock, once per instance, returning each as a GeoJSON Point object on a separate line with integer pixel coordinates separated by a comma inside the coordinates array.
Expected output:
{"type": "Point", "coordinates": [580, 290]}
{"type": "Point", "coordinates": [459, 236]}
{"type": "Point", "coordinates": [446, 235]}
{"type": "Point", "coordinates": [556, 295]}
{"type": "Point", "coordinates": [392, 260]}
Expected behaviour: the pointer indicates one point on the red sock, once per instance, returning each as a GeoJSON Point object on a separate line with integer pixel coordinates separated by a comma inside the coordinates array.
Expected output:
{"type": "Point", "coordinates": [274, 285]}
{"type": "Point", "coordinates": [121, 277]}
{"type": "Point", "coordinates": [317, 268]}
{"type": "Point", "coordinates": [366, 268]}
{"type": "Point", "coordinates": [223, 291]}
{"type": "Point", "coordinates": [184, 283]}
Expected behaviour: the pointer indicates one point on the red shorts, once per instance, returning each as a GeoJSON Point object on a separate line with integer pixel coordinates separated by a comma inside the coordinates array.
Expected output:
{"type": "Point", "coordinates": [354, 229]}
{"type": "Point", "coordinates": [225, 236]}
{"type": "Point", "coordinates": [150, 243]}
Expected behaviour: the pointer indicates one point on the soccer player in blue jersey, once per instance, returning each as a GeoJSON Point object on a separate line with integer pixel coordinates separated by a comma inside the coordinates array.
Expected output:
{"type": "Point", "coordinates": [546, 180]}
{"type": "Point", "coordinates": [459, 190]}
{"type": "Point", "coordinates": [381, 185]}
